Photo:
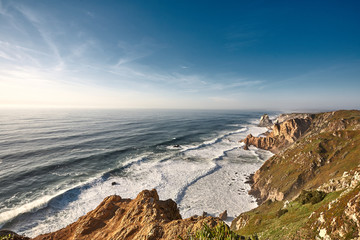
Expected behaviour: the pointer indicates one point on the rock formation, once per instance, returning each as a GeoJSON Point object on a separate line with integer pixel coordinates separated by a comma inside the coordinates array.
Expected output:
{"type": "Point", "coordinates": [321, 153]}
{"type": "Point", "coordinates": [223, 215]}
{"type": "Point", "coordinates": [286, 116]}
{"type": "Point", "coordinates": [265, 121]}
{"type": "Point", "coordinates": [282, 135]}
{"type": "Point", "coordinates": [340, 219]}
{"type": "Point", "coordinates": [145, 217]}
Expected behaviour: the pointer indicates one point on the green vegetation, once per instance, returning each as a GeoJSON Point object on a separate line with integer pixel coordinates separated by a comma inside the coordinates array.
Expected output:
{"type": "Point", "coordinates": [334, 217]}
{"type": "Point", "coordinates": [219, 232]}
{"type": "Point", "coordinates": [331, 147]}
{"type": "Point", "coordinates": [312, 197]}
{"type": "Point", "coordinates": [7, 237]}
{"type": "Point", "coordinates": [272, 221]}
{"type": "Point", "coordinates": [281, 212]}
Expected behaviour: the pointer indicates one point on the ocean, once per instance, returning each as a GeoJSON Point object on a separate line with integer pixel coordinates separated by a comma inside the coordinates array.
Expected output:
{"type": "Point", "coordinates": [57, 165]}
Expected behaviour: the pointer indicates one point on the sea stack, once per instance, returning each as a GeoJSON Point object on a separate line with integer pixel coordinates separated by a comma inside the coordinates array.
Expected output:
{"type": "Point", "coordinates": [265, 121]}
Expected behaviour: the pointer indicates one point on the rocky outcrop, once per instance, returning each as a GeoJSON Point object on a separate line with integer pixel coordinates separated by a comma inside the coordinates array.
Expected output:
{"type": "Point", "coordinates": [323, 156]}
{"type": "Point", "coordinates": [223, 216]}
{"type": "Point", "coordinates": [145, 217]}
{"type": "Point", "coordinates": [265, 121]}
{"type": "Point", "coordinates": [339, 219]}
{"type": "Point", "coordinates": [348, 180]}
{"type": "Point", "coordinates": [328, 141]}
{"type": "Point", "coordinates": [287, 116]}
{"type": "Point", "coordinates": [281, 136]}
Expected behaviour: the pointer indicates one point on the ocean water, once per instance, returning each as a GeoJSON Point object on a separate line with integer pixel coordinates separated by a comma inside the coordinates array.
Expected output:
{"type": "Point", "coordinates": [57, 165]}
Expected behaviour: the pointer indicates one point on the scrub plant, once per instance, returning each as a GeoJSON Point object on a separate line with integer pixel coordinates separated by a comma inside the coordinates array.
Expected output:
{"type": "Point", "coordinates": [219, 232]}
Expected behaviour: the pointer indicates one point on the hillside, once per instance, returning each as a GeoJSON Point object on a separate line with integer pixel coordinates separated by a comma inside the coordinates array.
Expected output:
{"type": "Point", "coordinates": [323, 156]}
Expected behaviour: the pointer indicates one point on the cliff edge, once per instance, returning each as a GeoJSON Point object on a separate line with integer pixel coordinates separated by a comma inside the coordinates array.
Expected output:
{"type": "Point", "coordinates": [318, 157]}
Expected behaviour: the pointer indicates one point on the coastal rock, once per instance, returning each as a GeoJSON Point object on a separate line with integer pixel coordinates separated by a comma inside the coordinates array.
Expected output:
{"type": "Point", "coordinates": [265, 121]}
{"type": "Point", "coordinates": [287, 116]}
{"type": "Point", "coordinates": [323, 156]}
{"type": "Point", "coordinates": [281, 136]}
{"type": "Point", "coordinates": [223, 215]}
{"type": "Point", "coordinates": [328, 139]}
{"type": "Point", "coordinates": [145, 217]}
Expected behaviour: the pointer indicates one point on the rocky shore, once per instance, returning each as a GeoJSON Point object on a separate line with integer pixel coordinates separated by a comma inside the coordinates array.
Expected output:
{"type": "Point", "coordinates": [145, 217]}
{"type": "Point", "coordinates": [308, 190]}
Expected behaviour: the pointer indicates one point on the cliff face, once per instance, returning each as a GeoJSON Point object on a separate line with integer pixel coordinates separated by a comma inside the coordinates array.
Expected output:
{"type": "Point", "coordinates": [324, 156]}
{"type": "Point", "coordinates": [282, 135]}
{"type": "Point", "coordinates": [324, 150]}
{"type": "Point", "coordinates": [145, 217]}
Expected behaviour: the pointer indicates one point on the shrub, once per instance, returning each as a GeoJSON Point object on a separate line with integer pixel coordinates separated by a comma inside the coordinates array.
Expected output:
{"type": "Point", "coordinates": [219, 232]}
{"type": "Point", "coordinates": [281, 212]}
{"type": "Point", "coordinates": [310, 197]}
{"type": "Point", "coordinates": [7, 237]}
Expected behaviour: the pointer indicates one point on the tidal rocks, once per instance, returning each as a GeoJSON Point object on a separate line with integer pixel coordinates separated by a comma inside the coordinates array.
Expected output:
{"type": "Point", "coordinates": [145, 217]}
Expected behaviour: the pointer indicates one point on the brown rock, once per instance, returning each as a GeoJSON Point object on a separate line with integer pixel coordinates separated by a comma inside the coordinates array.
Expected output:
{"type": "Point", "coordinates": [145, 217]}
{"type": "Point", "coordinates": [223, 215]}
{"type": "Point", "coordinates": [281, 136]}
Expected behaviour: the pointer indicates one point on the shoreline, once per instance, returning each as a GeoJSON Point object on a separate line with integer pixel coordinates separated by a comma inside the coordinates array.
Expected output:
{"type": "Point", "coordinates": [225, 169]}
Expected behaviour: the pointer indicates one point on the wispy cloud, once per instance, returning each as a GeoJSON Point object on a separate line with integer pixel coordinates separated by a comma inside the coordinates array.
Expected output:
{"type": "Point", "coordinates": [38, 22]}
{"type": "Point", "coordinates": [135, 51]}
{"type": "Point", "coordinates": [39, 66]}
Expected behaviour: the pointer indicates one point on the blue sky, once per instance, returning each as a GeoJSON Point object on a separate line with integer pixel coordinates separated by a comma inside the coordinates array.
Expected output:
{"type": "Point", "coordinates": [276, 55]}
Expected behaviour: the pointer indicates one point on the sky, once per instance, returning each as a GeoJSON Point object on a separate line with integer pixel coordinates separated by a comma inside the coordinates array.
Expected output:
{"type": "Point", "coordinates": [244, 54]}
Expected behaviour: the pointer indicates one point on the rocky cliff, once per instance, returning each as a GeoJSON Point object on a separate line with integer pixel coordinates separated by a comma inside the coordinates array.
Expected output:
{"type": "Point", "coordinates": [282, 134]}
{"type": "Point", "coordinates": [145, 217]}
{"type": "Point", "coordinates": [309, 190]}
{"type": "Point", "coordinates": [321, 154]}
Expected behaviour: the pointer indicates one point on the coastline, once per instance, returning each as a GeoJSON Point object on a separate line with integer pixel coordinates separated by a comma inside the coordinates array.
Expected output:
{"type": "Point", "coordinates": [231, 165]}
{"type": "Point", "coordinates": [316, 196]}
{"type": "Point", "coordinates": [276, 210]}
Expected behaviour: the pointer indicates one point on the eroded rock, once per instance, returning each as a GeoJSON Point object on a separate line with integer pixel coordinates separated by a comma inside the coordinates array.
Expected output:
{"type": "Point", "coordinates": [145, 217]}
